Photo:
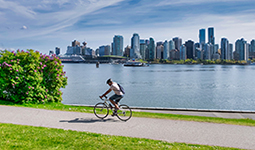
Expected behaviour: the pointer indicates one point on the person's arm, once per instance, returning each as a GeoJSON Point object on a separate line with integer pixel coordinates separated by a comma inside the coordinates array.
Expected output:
{"type": "Point", "coordinates": [108, 91]}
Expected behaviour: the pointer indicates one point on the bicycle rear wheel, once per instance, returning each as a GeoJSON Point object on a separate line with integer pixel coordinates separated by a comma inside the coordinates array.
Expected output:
{"type": "Point", "coordinates": [124, 113]}
{"type": "Point", "coordinates": [101, 110]}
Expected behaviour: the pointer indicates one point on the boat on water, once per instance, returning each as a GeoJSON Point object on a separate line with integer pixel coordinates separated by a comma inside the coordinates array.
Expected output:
{"type": "Point", "coordinates": [71, 58]}
{"type": "Point", "coordinates": [135, 64]}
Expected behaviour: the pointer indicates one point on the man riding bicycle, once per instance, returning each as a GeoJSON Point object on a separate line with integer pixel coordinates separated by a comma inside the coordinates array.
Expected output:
{"type": "Point", "coordinates": [114, 99]}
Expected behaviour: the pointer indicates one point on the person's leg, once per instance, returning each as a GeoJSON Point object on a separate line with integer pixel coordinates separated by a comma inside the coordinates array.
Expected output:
{"type": "Point", "coordinates": [112, 100]}
{"type": "Point", "coordinates": [116, 106]}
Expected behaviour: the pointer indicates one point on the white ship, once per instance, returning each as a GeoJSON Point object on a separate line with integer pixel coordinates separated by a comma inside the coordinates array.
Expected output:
{"type": "Point", "coordinates": [71, 58]}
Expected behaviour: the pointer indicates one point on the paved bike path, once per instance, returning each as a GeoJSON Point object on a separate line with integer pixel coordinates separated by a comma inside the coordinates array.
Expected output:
{"type": "Point", "coordinates": [159, 129]}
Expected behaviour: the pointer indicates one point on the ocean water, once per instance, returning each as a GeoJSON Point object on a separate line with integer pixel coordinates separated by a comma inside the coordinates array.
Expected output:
{"type": "Point", "coordinates": [220, 87]}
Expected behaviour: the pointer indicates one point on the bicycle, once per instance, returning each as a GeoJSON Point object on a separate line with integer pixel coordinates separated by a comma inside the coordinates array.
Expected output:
{"type": "Point", "coordinates": [101, 110]}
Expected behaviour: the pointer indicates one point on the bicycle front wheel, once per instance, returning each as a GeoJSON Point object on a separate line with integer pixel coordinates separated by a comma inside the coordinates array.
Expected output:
{"type": "Point", "coordinates": [101, 110]}
{"type": "Point", "coordinates": [124, 113]}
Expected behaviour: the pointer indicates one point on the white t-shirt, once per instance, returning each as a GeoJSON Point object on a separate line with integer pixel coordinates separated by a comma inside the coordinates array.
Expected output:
{"type": "Point", "coordinates": [116, 88]}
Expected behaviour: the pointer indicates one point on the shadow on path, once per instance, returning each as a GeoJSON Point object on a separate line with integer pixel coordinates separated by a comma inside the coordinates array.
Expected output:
{"type": "Point", "coordinates": [85, 120]}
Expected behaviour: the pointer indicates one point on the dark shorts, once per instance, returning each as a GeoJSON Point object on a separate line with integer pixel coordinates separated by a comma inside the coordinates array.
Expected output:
{"type": "Point", "coordinates": [116, 98]}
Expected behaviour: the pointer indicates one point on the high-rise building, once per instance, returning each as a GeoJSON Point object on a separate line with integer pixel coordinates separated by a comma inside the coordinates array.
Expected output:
{"type": "Point", "coordinates": [171, 45]}
{"type": "Point", "coordinates": [211, 38]}
{"type": "Point", "coordinates": [231, 51]}
{"type": "Point", "coordinates": [135, 46]}
{"type": "Point", "coordinates": [241, 49]}
{"type": "Point", "coordinates": [51, 52]}
{"type": "Point", "coordinates": [104, 50]}
{"type": "Point", "coordinates": [74, 43]}
{"type": "Point", "coordinates": [143, 48]}
{"type": "Point", "coordinates": [202, 36]}
{"type": "Point", "coordinates": [183, 52]}
{"type": "Point", "coordinates": [166, 50]}
{"type": "Point", "coordinates": [177, 42]}
{"type": "Point", "coordinates": [252, 49]}
{"type": "Point", "coordinates": [190, 49]}
{"type": "Point", "coordinates": [117, 45]}
{"type": "Point", "coordinates": [159, 52]}
{"type": "Point", "coordinates": [127, 51]}
{"type": "Point", "coordinates": [151, 49]}
{"type": "Point", "coordinates": [225, 49]}
{"type": "Point", "coordinates": [207, 52]}
{"type": "Point", "coordinates": [57, 50]}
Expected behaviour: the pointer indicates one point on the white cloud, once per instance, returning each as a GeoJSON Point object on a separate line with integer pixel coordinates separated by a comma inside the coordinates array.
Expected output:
{"type": "Point", "coordinates": [18, 9]}
{"type": "Point", "coordinates": [194, 2]}
{"type": "Point", "coordinates": [24, 27]}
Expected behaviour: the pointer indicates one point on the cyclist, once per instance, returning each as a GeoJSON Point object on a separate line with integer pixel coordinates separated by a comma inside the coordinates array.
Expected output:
{"type": "Point", "coordinates": [114, 99]}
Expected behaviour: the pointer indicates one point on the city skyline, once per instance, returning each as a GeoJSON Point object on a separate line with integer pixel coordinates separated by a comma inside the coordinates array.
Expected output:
{"type": "Point", "coordinates": [44, 25]}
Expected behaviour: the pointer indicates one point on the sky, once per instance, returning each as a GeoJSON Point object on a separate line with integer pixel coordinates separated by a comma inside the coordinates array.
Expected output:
{"type": "Point", "coordinates": [45, 24]}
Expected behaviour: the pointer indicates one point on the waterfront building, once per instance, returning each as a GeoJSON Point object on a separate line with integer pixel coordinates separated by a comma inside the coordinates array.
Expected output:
{"type": "Point", "coordinates": [57, 51]}
{"type": "Point", "coordinates": [104, 50]}
{"type": "Point", "coordinates": [207, 52]}
{"type": "Point", "coordinates": [183, 52]}
{"type": "Point", "coordinates": [174, 54]}
{"type": "Point", "coordinates": [197, 47]}
{"type": "Point", "coordinates": [143, 48]}
{"type": "Point", "coordinates": [88, 52]}
{"type": "Point", "coordinates": [241, 49]}
{"type": "Point", "coordinates": [74, 50]}
{"type": "Point", "coordinates": [159, 51]}
{"type": "Point", "coordinates": [211, 38]}
{"type": "Point", "coordinates": [127, 51]}
{"type": "Point", "coordinates": [231, 51]}
{"type": "Point", "coordinates": [177, 42]}
{"type": "Point", "coordinates": [135, 46]}
{"type": "Point", "coordinates": [252, 49]}
{"type": "Point", "coordinates": [199, 53]}
{"type": "Point", "coordinates": [75, 43]}
{"type": "Point", "coordinates": [151, 49]}
{"type": "Point", "coordinates": [171, 45]}
{"type": "Point", "coordinates": [225, 49]}
{"type": "Point", "coordinates": [142, 41]}
{"type": "Point", "coordinates": [117, 45]}
{"type": "Point", "coordinates": [216, 48]}
{"type": "Point", "coordinates": [51, 52]}
{"type": "Point", "coordinates": [202, 36]}
{"type": "Point", "coordinates": [166, 50]}
{"type": "Point", "coordinates": [101, 50]}
{"type": "Point", "coordinates": [190, 49]}
{"type": "Point", "coordinates": [96, 52]}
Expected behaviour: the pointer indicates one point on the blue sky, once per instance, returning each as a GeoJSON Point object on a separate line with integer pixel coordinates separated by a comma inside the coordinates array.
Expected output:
{"type": "Point", "coordinates": [43, 25]}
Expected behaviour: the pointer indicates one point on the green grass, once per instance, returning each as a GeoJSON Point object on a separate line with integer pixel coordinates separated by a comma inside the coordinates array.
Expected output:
{"type": "Point", "coordinates": [28, 137]}
{"type": "Point", "coordinates": [62, 107]}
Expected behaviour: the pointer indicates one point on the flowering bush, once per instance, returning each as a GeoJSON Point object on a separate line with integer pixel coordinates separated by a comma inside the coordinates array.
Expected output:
{"type": "Point", "coordinates": [30, 77]}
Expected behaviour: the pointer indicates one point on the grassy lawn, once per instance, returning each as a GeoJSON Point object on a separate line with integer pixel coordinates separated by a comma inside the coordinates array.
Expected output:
{"type": "Point", "coordinates": [28, 137]}
{"type": "Point", "coordinates": [62, 107]}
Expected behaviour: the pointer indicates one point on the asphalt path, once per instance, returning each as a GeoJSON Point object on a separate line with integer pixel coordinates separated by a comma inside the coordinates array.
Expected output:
{"type": "Point", "coordinates": [159, 129]}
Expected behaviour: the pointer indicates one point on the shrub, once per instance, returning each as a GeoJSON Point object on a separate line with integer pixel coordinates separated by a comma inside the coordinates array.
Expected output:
{"type": "Point", "coordinates": [30, 77]}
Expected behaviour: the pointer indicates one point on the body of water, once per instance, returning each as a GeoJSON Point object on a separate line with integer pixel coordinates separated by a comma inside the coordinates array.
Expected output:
{"type": "Point", "coordinates": [220, 87]}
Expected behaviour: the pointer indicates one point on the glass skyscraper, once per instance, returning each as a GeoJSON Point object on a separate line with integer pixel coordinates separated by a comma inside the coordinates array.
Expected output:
{"type": "Point", "coordinates": [177, 42]}
{"type": "Point", "coordinates": [202, 36]}
{"type": "Point", "coordinates": [225, 49]}
{"type": "Point", "coordinates": [117, 45]}
{"type": "Point", "coordinates": [135, 46]}
{"type": "Point", "coordinates": [211, 36]}
{"type": "Point", "coordinates": [241, 49]}
{"type": "Point", "coordinates": [152, 50]}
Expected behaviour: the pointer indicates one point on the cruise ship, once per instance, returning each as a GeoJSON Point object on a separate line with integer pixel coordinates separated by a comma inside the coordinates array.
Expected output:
{"type": "Point", "coordinates": [71, 58]}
